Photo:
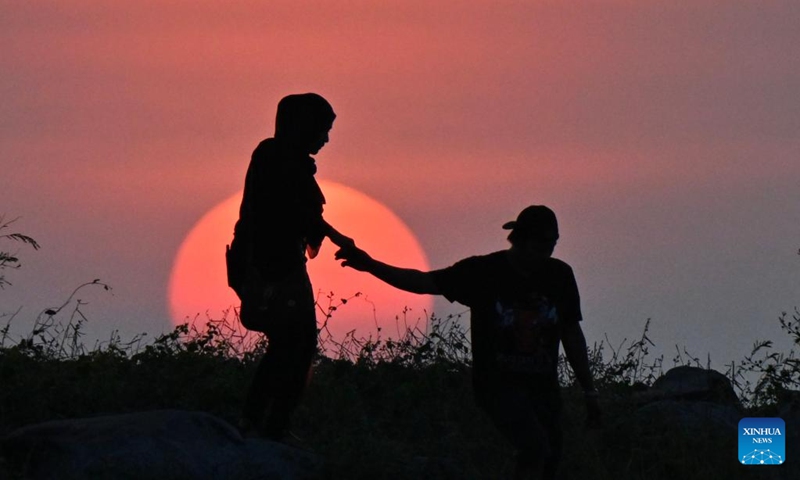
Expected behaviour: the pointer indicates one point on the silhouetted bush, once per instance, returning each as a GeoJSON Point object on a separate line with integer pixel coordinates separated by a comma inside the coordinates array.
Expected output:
{"type": "Point", "coordinates": [377, 407]}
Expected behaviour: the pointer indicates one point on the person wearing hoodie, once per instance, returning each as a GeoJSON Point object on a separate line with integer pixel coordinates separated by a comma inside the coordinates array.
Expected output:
{"type": "Point", "coordinates": [280, 227]}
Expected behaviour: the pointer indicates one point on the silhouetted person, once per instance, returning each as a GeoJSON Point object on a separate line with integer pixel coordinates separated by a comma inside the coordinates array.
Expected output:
{"type": "Point", "coordinates": [523, 304]}
{"type": "Point", "coordinates": [280, 223]}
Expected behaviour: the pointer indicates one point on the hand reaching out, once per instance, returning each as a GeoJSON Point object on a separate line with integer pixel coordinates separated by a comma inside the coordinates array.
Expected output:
{"type": "Point", "coordinates": [354, 257]}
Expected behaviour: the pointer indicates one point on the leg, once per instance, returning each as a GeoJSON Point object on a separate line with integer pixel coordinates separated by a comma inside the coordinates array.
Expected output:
{"type": "Point", "coordinates": [530, 422]}
{"type": "Point", "coordinates": [261, 393]}
{"type": "Point", "coordinates": [293, 355]}
{"type": "Point", "coordinates": [282, 373]}
{"type": "Point", "coordinates": [550, 416]}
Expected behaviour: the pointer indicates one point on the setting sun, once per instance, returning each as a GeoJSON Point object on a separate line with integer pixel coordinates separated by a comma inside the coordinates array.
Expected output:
{"type": "Point", "coordinates": [198, 286]}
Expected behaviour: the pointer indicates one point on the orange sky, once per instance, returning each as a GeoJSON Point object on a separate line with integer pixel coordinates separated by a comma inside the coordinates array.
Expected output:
{"type": "Point", "coordinates": [664, 137]}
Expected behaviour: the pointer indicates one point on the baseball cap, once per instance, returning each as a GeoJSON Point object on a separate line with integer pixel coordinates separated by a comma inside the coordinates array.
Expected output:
{"type": "Point", "coordinates": [536, 221]}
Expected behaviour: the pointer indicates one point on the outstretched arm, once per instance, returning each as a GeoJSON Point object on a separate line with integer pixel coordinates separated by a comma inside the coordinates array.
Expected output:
{"type": "Point", "coordinates": [408, 279]}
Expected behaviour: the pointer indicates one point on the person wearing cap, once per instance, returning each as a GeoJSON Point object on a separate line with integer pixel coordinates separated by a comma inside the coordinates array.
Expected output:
{"type": "Point", "coordinates": [280, 226]}
{"type": "Point", "coordinates": [523, 304]}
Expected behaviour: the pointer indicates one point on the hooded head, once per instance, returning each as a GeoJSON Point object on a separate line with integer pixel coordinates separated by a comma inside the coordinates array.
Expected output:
{"type": "Point", "coordinates": [303, 121]}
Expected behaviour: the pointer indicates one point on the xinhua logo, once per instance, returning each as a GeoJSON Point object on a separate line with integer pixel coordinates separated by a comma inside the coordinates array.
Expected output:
{"type": "Point", "coordinates": [762, 441]}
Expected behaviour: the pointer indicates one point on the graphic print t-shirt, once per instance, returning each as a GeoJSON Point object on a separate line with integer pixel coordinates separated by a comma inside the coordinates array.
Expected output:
{"type": "Point", "coordinates": [515, 315]}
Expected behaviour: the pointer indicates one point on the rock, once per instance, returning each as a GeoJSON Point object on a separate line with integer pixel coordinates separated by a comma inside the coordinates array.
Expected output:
{"type": "Point", "coordinates": [692, 383]}
{"type": "Point", "coordinates": [435, 467]}
{"type": "Point", "coordinates": [166, 444]}
{"type": "Point", "coordinates": [789, 404]}
{"type": "Point", "coordinates": [689, 415]}
{"type": "Point", "coordinates": [789, 411]}
{"type": "Point", "coordinates": [687, 399]}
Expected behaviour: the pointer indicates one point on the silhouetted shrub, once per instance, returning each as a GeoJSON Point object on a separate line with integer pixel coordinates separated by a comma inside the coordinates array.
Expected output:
{"type": "Point", "coordinates": [377, 407]}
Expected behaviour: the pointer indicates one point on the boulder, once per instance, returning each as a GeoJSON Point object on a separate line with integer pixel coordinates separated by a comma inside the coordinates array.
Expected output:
{"type": "Point", "coordinates": [692, 383]}
{"type": "Point", "coordinates": [689, 416]}
{"type": "Point", "coordinates": [789, 404]}
{"type": "Point", "coordinates": [687, 399]}
{"type": "Point", "coordinates": [789, 411]}
{"type": "Point", "coordinates": [435, 467]}
{"type": "Point", "coordinates": [166, 444]}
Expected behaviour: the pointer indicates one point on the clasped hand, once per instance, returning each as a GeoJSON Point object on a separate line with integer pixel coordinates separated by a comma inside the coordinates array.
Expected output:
{"type": "Point", "coordinates": [348, 252]}
{"type": "Point", "coordinates": [353, 257]}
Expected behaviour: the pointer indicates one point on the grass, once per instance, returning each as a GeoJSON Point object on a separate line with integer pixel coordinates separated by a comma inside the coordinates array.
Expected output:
{"type": "Point", "coordinates": [380, 408]}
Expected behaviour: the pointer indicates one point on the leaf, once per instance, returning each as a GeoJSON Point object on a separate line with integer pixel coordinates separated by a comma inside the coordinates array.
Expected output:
{"type": "Point", "coordinates": [24, 239]}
